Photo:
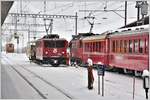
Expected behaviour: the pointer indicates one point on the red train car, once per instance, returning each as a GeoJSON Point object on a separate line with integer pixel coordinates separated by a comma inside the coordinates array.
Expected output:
{"type": "Point", "coordinates": [127, 50]}
{"type": "Point", "coordinates": [96, 48]}
{"type": "Point", "coordinates": [9, 48]}
{"type": "Point", "coordinates": [52, 50]}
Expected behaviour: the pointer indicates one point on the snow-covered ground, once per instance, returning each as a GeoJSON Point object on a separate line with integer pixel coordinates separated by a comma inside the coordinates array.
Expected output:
{"type": "Point", "coordinates": [73, 81]}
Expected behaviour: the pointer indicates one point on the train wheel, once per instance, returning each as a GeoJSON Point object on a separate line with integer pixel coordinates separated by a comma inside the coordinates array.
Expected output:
{"type": "Point", "coordinates": [55, 65]}
{"type": "Point", "coordinates": [137, 73]}
{"type": "Point", "coordinates": [125, 71]}
{"type": "Point", "coordinates": [79, 62]}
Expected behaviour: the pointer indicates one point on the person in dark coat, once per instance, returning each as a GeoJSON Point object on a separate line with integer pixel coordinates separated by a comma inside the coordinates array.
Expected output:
{"type": "Point", "coordinates": [90, 74]}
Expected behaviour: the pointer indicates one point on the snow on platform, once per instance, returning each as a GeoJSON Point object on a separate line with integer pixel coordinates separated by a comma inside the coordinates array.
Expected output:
{"type": "Point", "coordinates": [73, 81]}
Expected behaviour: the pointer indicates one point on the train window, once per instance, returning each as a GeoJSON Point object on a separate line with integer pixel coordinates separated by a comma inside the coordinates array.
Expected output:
{"type": "Point", "coordinates": [113, 46]}
{"type": "Point", "coordinates": [99, 49]}
{"type": "Point", "coordinates": [86, 47]}
{"type": "Point", "coordinates": [102, 50]}
{"type": "Point", "coordinates": [49, 44]}
{"type": "Point", "coordinates": [136, 47]}
{"type": "Point", "coordinates": [103, 46]}
{"type": "Point", "coordinates": [54, 44]}
{"type": "Point", "coordinates": [130, 46]}
{"type": "Point", "coordinates": [97, 46]}
{"type": "Point", "coordinates": [121, 46]}
{"type": "Point", "coordinates": [89, 46]}
{"type": "Point", "coordinates": [91, 49]}
{"type": "Point", "coordinates": [141, 47]}
{"type": "Point", "coordinates": [146, 46]}
{"type": "Point", "coordinates": [80, 44]}
{"type": "Point", "coordinates": [116, 46]}
{"type": "Point", "coordinates": [125, 46]}
{"type": "Point", "coordinates": [60, 44]}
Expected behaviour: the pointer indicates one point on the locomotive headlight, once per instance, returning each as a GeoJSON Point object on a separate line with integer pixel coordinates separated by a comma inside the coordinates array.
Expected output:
{"type": "Point", "coordinates": [46, 52]}
{"type": "Point", "coordinates": [63, 52]}
{"type": "Point", "coordinates": [55, 61]}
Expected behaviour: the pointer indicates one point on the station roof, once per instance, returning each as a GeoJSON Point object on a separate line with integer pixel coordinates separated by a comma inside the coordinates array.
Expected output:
{"type": "Point", "coordinates": [5, 7]}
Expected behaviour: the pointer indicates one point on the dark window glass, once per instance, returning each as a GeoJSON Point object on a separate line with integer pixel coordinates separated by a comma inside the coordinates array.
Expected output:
{"type": "Point", "coordinates": [121, 46]}
{"type": "Point", "coordinates": [117, 46]}
{"type": "Point", "coordinates": [54, 44]}
{"type": "Point", "coordinates": [125, 46]}
{"type": "Point", "coordinates": [113, 46]}
{"type": "Point", "coordinates": [141, 46]}
{"type": "Point", "coordinates": [97, 46]}
{"type": "Point", "coordinates": [80, 44]}
{"type": "Point", "coordinates": [100, 45]}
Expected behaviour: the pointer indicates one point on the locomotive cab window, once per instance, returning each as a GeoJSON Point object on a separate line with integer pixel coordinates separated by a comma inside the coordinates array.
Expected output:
{"type": "Point", "coordinates": [60, 44]}
{"type": "Point", "coordinates": [53, 44]}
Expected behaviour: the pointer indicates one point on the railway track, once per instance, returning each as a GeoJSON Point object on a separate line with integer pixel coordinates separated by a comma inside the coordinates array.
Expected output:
{"type": "Point", "coordinates": [39, 77]}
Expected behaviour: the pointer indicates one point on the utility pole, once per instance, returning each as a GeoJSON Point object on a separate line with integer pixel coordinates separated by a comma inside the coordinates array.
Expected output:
{"type": "Point", "coordinates": [76, 24]}
{"type": "Point", "coordinates": [138, 6]}
{"type": "Point", "coordinates": [0, 34]}
{"type": "Point", "coordinates": [125, 13]}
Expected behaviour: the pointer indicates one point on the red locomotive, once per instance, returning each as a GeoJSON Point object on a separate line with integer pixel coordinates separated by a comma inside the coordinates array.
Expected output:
{"type": "Point", "coordinates": [76, 48]}
{"type": "Point", "coordinates": [52, 50]}
{"type": "Point", "coordinates": [127, 50]}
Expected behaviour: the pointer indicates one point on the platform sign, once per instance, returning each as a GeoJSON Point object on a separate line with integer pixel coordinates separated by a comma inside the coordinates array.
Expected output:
{"type": "Point", "coordinates": [101, 70]}
{"type": "Point", "coordinates": [100, 73]}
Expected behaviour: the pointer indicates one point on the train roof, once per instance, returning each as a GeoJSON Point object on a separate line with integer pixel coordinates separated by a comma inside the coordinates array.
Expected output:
{"type": "Point", "coordinates": [52, 39]}
{"type": "Point", "coordinates": [50, 36]}
{"type": "Point", "coordinates": [97, 37]}
{"type": "Point", "coordinates": [131, 30]}
{"type": "Point", "coordinates": [82, 35]}
{"type": "Point", "coordinates": [123, 31]}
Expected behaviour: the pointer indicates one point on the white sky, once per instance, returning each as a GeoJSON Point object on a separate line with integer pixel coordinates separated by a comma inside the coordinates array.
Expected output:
{"type": "Point", "coordinates": [66, 27]}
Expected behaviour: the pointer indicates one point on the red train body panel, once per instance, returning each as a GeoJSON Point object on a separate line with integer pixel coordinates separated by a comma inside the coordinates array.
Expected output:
{"type": "Point", "coordinates": [125, 50]}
